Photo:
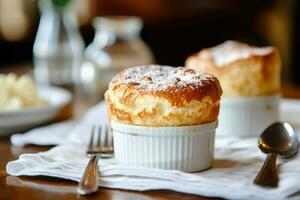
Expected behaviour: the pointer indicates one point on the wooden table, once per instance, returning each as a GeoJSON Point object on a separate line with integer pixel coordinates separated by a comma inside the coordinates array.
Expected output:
{"type": "Point", "coordinates": [31, 188]}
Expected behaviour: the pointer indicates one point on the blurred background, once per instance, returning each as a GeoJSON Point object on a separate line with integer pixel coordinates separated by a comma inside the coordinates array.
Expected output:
{"type": "Point", "coordinates": [173, 29]}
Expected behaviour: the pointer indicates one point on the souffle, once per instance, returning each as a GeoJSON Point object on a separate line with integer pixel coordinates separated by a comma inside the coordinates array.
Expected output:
{"type": "Point", "coordinates": [163, 96]}
{"type": "Point", "coordinates": [243, 70]}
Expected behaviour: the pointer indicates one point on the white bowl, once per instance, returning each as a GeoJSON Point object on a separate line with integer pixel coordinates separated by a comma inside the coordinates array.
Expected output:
{"type": "Point", "coordinates": [247, 117]}
{"type": "Point", "coordinates": [186, 148]}
{"type": "Point", "coordinates": [19, 120]}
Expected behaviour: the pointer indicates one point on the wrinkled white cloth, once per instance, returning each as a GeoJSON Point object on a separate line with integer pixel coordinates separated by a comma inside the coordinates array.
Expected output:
{"type": "Point", "coordinates": [64, 132]}
{"type": "Point", "coordinates": [235, 166]}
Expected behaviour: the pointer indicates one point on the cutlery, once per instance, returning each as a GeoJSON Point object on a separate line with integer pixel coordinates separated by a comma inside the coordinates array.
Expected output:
{"type": "Point", "coordinates": [279, 138]}
{"type": "Point", "coordinates": [89, 180]}
{"type": "Point", "coordinates": [107, 148]}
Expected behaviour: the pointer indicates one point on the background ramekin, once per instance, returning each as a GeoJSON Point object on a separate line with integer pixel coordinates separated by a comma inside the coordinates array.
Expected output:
{"type": "Point", "coordinates": [186, 148]}
{"type": "Point", "coordinates": [247, 117]}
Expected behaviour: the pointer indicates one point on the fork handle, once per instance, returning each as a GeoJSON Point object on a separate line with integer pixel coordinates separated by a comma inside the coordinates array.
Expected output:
{"type": "Point", "coordinates": [89, 181]}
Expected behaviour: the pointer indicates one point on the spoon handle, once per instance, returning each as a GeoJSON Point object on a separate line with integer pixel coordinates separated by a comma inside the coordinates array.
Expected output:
{"type": "Point", "coordinates": [268, 175]}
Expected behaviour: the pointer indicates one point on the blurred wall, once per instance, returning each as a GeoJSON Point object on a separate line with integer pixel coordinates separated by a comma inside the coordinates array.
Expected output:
{"type": "Point", "coordinates": [173, 28]}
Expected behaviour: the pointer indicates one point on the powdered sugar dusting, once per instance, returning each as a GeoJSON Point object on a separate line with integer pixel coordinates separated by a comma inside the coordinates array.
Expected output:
{"type": "Point", "coordinates": [230, 51]}
{"type": "Point", "coordinates": [160, 78]}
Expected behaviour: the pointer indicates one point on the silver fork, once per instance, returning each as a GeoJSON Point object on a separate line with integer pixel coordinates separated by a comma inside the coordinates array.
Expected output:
{"type": "Point", "coordinates": [89, 181]}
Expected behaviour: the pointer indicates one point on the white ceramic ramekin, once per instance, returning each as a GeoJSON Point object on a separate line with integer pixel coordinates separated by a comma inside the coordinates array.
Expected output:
{"type": "Point", "coordinates": [186, 148]}
{"type": "Point", "coordinates": [247, 117]}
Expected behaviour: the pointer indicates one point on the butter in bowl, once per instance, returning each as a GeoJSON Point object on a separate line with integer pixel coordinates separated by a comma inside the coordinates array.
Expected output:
{"type": "Point", "coordinates": [164, 117]}
{"type": "Point", "coordinates": [24, 105]}
{"type": "Point", "coordinates": [17, 93]}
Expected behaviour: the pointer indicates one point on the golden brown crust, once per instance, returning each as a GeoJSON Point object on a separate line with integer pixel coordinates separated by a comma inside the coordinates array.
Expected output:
{"type": "Point", "coordinates": [243, 70]}
{"type": "Point", "coordinates": [163, 96]}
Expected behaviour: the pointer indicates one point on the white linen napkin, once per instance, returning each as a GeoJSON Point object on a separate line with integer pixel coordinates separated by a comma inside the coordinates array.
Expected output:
{"type": "Point", "coordinates": [235, 166]}
{"type": "Point", "coordinates": [60, 133]}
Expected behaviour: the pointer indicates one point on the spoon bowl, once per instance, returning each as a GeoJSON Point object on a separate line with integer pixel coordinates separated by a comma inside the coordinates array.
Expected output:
{"type": "Point", "coordinates": [279, 138]}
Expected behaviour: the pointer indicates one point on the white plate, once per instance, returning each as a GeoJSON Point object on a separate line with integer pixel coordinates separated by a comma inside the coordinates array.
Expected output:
{"type": "Point", "coordinates": [18, 120]}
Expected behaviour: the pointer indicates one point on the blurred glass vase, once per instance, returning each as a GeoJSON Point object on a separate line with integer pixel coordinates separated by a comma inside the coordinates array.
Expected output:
{"type": "Point", "coordinates": [117, 45]}
{"type": "Point", "coordinates": [58, 47]}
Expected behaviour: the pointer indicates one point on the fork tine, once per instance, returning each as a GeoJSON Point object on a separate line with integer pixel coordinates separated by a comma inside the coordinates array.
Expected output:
{"type": "Point", "coordinates": [99, 131]}
{"type": "Point", "coordinates": [112, 138]}
{"type": "Point", "coordinates": [106, 142]}
{"type": "Point", "coordinates": [92, 138]}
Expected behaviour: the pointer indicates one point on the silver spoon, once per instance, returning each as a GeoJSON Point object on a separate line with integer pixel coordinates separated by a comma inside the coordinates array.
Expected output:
{"type": "Point", "coordinates": [279, 138]}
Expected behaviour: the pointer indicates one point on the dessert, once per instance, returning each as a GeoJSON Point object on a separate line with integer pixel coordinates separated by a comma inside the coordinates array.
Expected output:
{"type": "Point", "coordinates": [164, 109]}
{"type": "Point", "coordinates": [163, 96]}
{"type": "Point", "coordinates": [243, 70]}
{"type": "Point", "coordinates": [250, 79]}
